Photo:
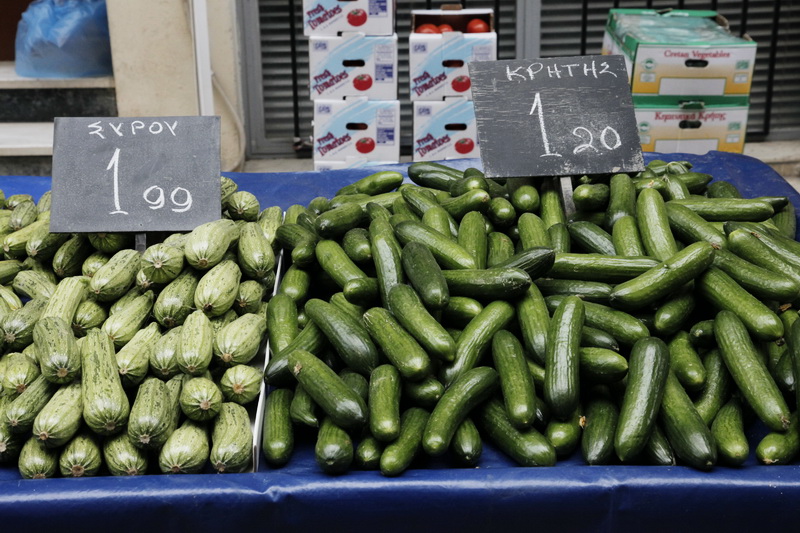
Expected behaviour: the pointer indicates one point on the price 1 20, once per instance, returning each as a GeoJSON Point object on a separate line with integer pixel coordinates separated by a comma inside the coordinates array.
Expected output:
{"type": "Point", "coordinates": [180, 198]}
{"type": "Point", "coordinates": [609, 137]}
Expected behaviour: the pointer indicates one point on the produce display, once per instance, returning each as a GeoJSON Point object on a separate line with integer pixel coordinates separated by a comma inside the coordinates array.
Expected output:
{"type": "Point", "coordinates": [127, 363]}
{"type": "Point", "coordinates": [652, 326]}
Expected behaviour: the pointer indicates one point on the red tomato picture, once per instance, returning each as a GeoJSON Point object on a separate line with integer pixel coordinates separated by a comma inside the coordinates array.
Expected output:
{"type": "Point", "coordinates": [362, 82]}
{"type": "Point", "coordinates": [357, 17]}
{"type": "Point", "coordinates": [365, 145]}
{"type": "Point", "coordinates": [465, 145]}
{"type": "Point", "coordinates": [477, 26]}
{"type": "Point", "coordinates": [445, 27]}
{"type": "Point", "coordinates": [427, 28]}
{"type": "Point", "coordinates": [461, 84]}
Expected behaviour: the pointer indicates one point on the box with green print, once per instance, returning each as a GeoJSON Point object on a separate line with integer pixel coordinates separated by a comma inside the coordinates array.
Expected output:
{"type": "Point", "coordinates": [353, 64]}
{"type": "Point", "coordinates": [438, 61]}
{"type": "Point", "coordinates": [357, 127]}
{"type": "Point", "coordinates": [445, 129]}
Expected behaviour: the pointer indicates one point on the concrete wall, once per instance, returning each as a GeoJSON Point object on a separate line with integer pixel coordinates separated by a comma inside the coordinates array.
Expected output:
{"type": "Point", "coordinates": [154, 70]}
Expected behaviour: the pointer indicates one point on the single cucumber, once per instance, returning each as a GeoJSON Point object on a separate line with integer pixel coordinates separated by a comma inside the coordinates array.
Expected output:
{"type": "Point", "coordinates": [598, 267]}
{"type": "Point", "coordinates": [150, 417]}
{"type": "Point", "coordinates": [196, 344]}
{"type": "Point", "coordinates": [749, 372]}
{"type": "Point", "coordinates": [277, 437]}
{"type": "Point", "coordinates": [333, 450]}
{"type": "Point", "coordinates": [81, 457]}
{"type": "Point", "coordinates": [626, 238]}
{"type": "Point", "coordinates": [349, 337]}
{"type": "Point", "coordinates": [725, 209]}
{"type": "Point", "coordinates": [686, 431]}
{"type": "Point", "coordinates": [551, 209]}
{"type": "Point", "coordinates": [527, 447]}
{"type": "Point", "coordinates": [37, 461]}
{"type": "Point", "coordinates": [647, 374]}
{"type": "Point", "coordinates": [105, 404]}
{"type": "Point", "coordinates": [591, 237]}
{"type": "Point", "coordinates": [466, 445]}
{"type": "Point", "coordinates": [651, 217]}
{"type": "Point", "coordinates": [241, 384]}
{"type": "Point", "coordinates": [624, 327]}
{"type": "Point", "coordinates": [60, 419]}
{"type": "Point", "coordinates": [122, 458]}
{"type": "Point", "coordinates": [231, 440]}
{"type": "Point", "coordinates": [728, 432]}
{"type": "Point", "coordinates": [398, 455]}
{"type": "Point", "coordinates": [408, 309]}
{"type": "Point", "coordinates": [600, 425]}
{"type": "Point", "coordinates": [685, 362]}
{"type": "Point", "coordinates": [592, 291]}
{"type": "Point", "coordinates": [186, 450]}
{"type": "Point", "coordinates": [466, 392]}
{"type": "Point", "coordinates": [516, 383]}
{"type": "Point", "coordinates": [497, 282]}
{"type": "Point", "coordinates": [690, 227]}
{"type": "Point", "coordinates": [601, 365]}
{"type": "Point", "coordinates": [675, 311]}
{"type": "Point", "coordinates": [200, 399]}
{"type": "Point", "coordinates": [622, 199]}
{"type": "Point", "coordinates": [561, 390]}
{"type": "Point", "coordinates": [533, 232]}
{"type": "Point", "coordinates": [780, 447]}
{"type": "Point", "coordinates": [534, 321]}
{"type": "Point", "coordinates": [448, 254]}
{"type": "Point", "coordinates": [399, 346]}
{"type": "Point", "coordinates": [384, 403]}
{"type": "Point", "coordinates": [425, 393]}
{"type": "Point", "coordinates": [425, 275]}
{"type": "Point", "coordinates": [717, 388]}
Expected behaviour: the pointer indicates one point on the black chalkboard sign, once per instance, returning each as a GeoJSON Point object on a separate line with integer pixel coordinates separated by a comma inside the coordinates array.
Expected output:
{"type": "Point", "coordinates": [135, 174]}
{"type": "Point", "coordinates": [555, 117]}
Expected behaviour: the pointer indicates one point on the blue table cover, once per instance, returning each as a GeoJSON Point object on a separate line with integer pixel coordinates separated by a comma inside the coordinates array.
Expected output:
{"type": "Point", "coordinates": [498, 495]}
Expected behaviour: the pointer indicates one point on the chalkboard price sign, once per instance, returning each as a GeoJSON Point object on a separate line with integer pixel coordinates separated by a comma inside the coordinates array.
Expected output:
{"type": "Point", "coordinates": [135, 174]}
{"type": "Point", "coordinates": [555, 117]}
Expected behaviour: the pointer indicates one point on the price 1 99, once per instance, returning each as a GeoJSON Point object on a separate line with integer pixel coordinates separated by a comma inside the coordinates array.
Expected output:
{"type": "Point", "coordinates": [180, 197]}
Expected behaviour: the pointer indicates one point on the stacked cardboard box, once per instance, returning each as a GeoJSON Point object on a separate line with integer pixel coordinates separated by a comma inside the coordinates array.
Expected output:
{"type": "Point", "coordinates": [353, 82]}
{"type": "Point", "coordinates": [690, 78]}
{"type": "Point", "coordinates": [442, 43]}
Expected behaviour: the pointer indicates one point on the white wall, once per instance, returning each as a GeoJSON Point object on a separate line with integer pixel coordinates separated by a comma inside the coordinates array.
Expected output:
{"type": "Point", "coordinates": [154, 70]}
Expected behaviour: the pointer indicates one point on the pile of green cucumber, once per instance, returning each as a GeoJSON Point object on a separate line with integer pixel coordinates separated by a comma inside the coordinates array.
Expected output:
{"type": "Point", "coordinates": [127, 363]}
{"type": "Point", "coordinates": [652, 326]}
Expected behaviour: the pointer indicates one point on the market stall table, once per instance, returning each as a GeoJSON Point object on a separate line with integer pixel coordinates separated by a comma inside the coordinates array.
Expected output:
{"type": "Point", "coordinates": [434, 494]}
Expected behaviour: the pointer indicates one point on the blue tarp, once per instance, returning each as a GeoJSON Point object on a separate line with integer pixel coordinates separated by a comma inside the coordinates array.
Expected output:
{"type": "Point", "coordinates": [434, 495]}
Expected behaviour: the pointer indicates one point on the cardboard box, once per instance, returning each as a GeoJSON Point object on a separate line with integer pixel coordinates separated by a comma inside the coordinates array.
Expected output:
{"type": "Point", "coordinates": [445, 129]}
{"type": "Point", "coordinates": [352, 162]}
{"type": "Point", "coordinates": [680, 52]}
{"type": "Point", "coordinates": [438, 61]}
{"type": "Point", "coordinates": [331, 17]}
{"type": "Point", "coordinates": [666, 125]}
{"type": "Point", "coordinates": [353, 64]}
{"type": "Point", "coordinates": [357, 127]}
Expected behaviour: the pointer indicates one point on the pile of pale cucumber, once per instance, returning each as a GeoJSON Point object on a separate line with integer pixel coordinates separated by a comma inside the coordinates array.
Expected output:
{"type": "Point", "coordinates": [126, 363]}
{"type": "Point", "coordinates": [420, 320]}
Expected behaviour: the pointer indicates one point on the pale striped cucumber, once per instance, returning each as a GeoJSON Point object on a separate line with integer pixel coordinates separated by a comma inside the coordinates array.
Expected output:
{"type": "Point", "coordinates": [200, 399]}
{"type": "Point", "coordinates": [217, 289]}
{"type": "Point", "coordinates": [151, 417]}
{"type": "Point", "coordinates": [206, 244]}
{"type": "Point", "coordinates": [21, 412]}
{"type": "Point", "coordinates": [249, 297]}
{"type": "Point", "coordinates": [81, 457]}
{"type": "Point", "coordinates": [33, 284]}
{"type": "Point", "coordinates": [175, 301]}
{"type": "Point", "coordinates": [164, 357]}
{"type": "Point", "coordinates": [64, 302]}
{"type": "Point", "coordinates": [60, 419]}
{"type": "Point", "coordinates": [114, 278]}
{"type": "Point", "coordinates": [241, 384]}
{"type": "Point", "coordinates": [231, 439]}
{"type": "Point", "coordinates": [19, 372]}
{"type": "Point", "coordinates": [186, 450]}
{"type": "Point", "coordinates": [70, 256]}
{"type": "Point", "coordinates": [105, 405]}
{"type": "Point", "coordinates": [123, 325]}
{"type": "Point", "coordinates": [37, 461]}
{"type": "Point", "coordinates": [196, 344]}
{"type": "Point", "coordinates": [123, 458]}
{"type": "Point", "coordinates": [133, 359]}
{"type": "Point", "coordinates": [18, 324]}
{"type": "Point", "coordinates": [256, 256]}
{"type": "Point", "coordinates": [56, 350]}
{"type": "Point", "coordinates": [238, 342]}
{"type": "Point", "coordinates": [161, 262]}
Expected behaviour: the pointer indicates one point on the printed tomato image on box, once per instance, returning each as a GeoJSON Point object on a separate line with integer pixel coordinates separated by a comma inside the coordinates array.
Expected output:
{"type": "Point", "coordinates": [331, 17]}
{"type": "Point", "coordinates": [441, 44]}
{"type": "Point", "coordinates": [359, 128]}
{"type": "Point", "coordinates": [353, 64]}
{"type": "Point", "coordinates": [445, 130]}
{"type": "Point", "coordinates": [716, 124]}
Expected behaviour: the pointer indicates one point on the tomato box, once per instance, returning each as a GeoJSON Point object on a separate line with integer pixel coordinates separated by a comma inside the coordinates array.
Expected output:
{"type": "Point", "coordinates": [349, 163]}
{"type": "Point", "coordinates": [680, 52]}
{"type": "Point", "coordinates": [441, 44]}
{"type": "Point", "coordinates": [445, 129]}
{"type": "Point", "coordinates": [331, 17]}
{"type": "Point", "coordinates": [353, 64]}
{"type": "Point", "coordinates": [692, 127]}
{"type": "Point", "coordinates": [357, 127]}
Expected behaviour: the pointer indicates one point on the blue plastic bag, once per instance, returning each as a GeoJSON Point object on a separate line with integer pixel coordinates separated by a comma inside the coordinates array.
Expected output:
{"type": "Point", "coordinates": [63, 39]}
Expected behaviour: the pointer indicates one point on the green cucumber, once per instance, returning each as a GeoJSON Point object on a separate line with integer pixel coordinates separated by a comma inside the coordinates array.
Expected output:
{"type": "Point", "coordinates": [498, 282]}
{"type": "Point", "coordinates": [464, 394]}
{"type": "Point", "coordinates": [384, 403]}
{"type": "Point", "coordinates": [277, 437]}
{"type": "Point", "coordinates": [690, 227]}
{"type": "Point", "coordinates": [686, 431]}
{"type": "Point", "coordinates": [334, 448]}
{"type": "Point", "coordinates": [334, 396]}
{"type": "Point", "coordinates": [717, 388]}
{"type": "Point", "coordinates": [653, 223]}
{"type": "Point", "coordinates": [673, 313]}
{"type": "Point", "coordinates": [600, 425]}
{"type": "Point", "coordinates": [386, 253]}
{"type": "Point", "coordinates": [759, 269]}
{"type": "Point", "coordinates": [516, 383]}
{"type": "Point", "coordinates": [425, 275]}
{"type": "Point", "coordinates": [525, 199]}
{"type": "Point", "coordinates": [596, 338]}
{"type": "Point", "coordinates": [408, 309]}
{"type": "Point", "coordinates": [399, 346]}
{"type": "Point", "coordinates": [591, 237]}
{"type": "Point", "coordinates": [685, 362]}
{"type": "Point", "coordinates": [591, 196]}
{"type": "Point", "coordinates": [601, 365]}
{"type": "Point", "coordinates": [592, 291]}
{"type": "Point", "coordinates": [599, 267]}
{"type": "Point", "coordinates": [349, 337]}
{"type": "Point", "coordinates": [728, 432]}
{"type": "Point", "coordinates": [749, 371]}
{"type": "Point", "coordinates": [533, 232]}
{"type": "Point", "coordinates": [647, 373]}
{"type": "Point", "coordinates": [534, 320]}
{"type": "Point", "coordinates": [466, 445]}
{"type": "Point", "coordinates": [779, 447]}
{"type": "Point", "coordinates": [527, 447]}
{"type": "Point", "coordinates": [624, 327]}
{"type": "Point", "coordinates": [626, 238]}
{"type": "Point", "coordinates": [425, 393]}
{"type": "Point", "coordinates": [725, 209]}
{"type": "Point", "coordinates": [562, 357]}
{"type": "Point", "coordinates": [355, 244]}
{"type": "Point", "coordinates": [398, 455]}
{"type": "Point", "coordinates": [476, 338]}
{"type": "Point", "coordinates": [334, 260]}
{"type": "Point", "coordinates": [622, 199]}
